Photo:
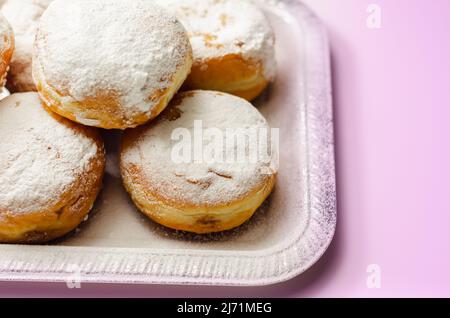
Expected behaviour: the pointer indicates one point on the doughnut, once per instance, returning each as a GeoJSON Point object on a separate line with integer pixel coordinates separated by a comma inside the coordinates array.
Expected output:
{"type": "Point", "coordinates": [24, 17]}
{"type": "Point", "coordinates": [50, 171]}
{"type": "Point", "coordinates": [113, 64]}
{"type": "Point", "coordinates": [6, 48]}
{"type": "Point", "coordinates": [200, 196]}
{"type": "Point", "coordinates": [232, 43]}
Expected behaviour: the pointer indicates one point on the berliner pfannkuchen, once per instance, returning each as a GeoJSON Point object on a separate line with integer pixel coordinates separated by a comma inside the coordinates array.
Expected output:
{"type": "Point", "coordinates": [109, 63]}
{"type": "Point", "coordinates": [50, 171]}
{"type": "Point", "coordinates": [232, 43]}
{"type": "Point", "coordinates": [6, 48]}
{"type": "Point", "coordinates": [207, 191]}
{"type": "Point", "coordinates": [24, 17]}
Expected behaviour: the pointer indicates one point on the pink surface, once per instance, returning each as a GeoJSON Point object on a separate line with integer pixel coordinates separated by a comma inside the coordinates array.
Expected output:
{"type": "Point", "coordinates": [392, 99]}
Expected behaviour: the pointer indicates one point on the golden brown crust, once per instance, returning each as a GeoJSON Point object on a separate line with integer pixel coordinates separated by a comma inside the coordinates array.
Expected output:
{"type": "Point", "coordinates": [232, 74]}
{"type": "Point", "coordinates": [74, 204]}
{"type": "Point", "coordinates": [105, 110]}
{"type": "Point", "coordinates": [6, 49]}
{"type": "Point", "coordinates": [179, 215]}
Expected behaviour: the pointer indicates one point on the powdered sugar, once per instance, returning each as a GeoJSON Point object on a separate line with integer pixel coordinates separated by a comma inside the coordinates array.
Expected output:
{"type": "Point", "coordinates": [198, 181]}
{"type": "Point", "coordinates": [5, 29]}
{"type": "Point", "coordinates": [39, 157]}
{"type": "Point", "coordinates": [128, 49]}
{"type": "Point", "coordinates": [221, 27]}
{"type": "Point", "coordinates": [282, 240]}
{"type": "Point", "coordinates": [23, 16]}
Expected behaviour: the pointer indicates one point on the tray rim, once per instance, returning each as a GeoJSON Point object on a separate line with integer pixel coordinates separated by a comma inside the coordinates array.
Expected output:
{"type": "Point", "coordinates": [317, 115]}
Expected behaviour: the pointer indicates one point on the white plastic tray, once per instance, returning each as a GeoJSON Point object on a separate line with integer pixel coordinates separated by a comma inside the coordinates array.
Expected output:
{"type": "Point", "coordinates": [286, 236]}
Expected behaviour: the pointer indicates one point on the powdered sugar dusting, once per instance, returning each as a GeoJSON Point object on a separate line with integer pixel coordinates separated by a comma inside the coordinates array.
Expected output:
{"type": "Point", "coordinates": [128, 49]}
{"type": "Point", "coordinates": [5, 29]}
{"type": "Point", "coordinates": [23, 16]}
{"type": "Point", "coordinates": [199, 182]}
{"type": "Point", "coordinates": [120, 245]}
{"type": "Point", "coordinates": [39, 157]}
{"type": "Point", "coordinates": [221, 27]}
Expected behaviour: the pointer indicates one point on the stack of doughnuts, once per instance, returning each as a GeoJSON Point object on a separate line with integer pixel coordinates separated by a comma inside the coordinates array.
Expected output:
{"type": "Point", "coordinates": [80, 65]}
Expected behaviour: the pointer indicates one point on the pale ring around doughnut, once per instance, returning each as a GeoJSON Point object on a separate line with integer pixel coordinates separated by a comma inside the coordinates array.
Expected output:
{"type": "Point", "coordinates": [200, 197]}
{"type": "Point", "coordinates": [51, 171]}
{"type": "Point", "coordinates": [232, 43]}
{"type": "Point", "coordinates": [6, 48]}
{"type": "Point", "coordinates": [113, 64]}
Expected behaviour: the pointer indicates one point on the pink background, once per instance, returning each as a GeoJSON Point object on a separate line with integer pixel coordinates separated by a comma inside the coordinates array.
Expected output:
{"type": "Point", "coordinates": [392, 100]}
